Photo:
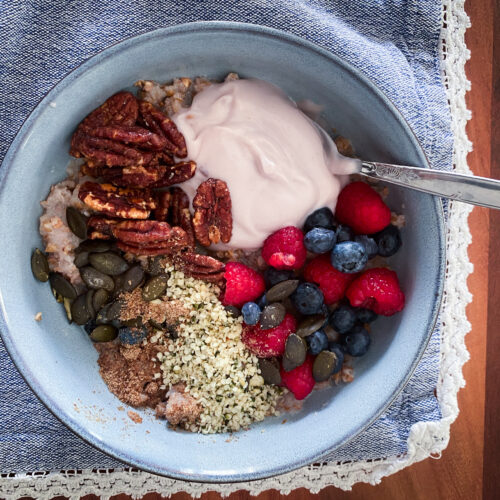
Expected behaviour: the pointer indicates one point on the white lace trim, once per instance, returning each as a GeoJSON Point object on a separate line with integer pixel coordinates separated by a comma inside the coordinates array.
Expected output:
{"type": "Point", "coordinates": [426, 439]}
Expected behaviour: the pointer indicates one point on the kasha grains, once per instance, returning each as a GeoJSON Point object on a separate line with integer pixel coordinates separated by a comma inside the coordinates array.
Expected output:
{"type": "Point", "coordinates": [210, 359]}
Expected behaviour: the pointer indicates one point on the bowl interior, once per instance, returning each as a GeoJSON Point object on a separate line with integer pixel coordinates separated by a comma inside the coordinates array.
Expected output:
{"type": "Point", "coordinates": [59, 361]}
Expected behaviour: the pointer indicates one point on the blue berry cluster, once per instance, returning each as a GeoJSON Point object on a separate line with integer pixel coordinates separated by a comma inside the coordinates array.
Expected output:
{"type": "Point", "coordinates": [349, 252]}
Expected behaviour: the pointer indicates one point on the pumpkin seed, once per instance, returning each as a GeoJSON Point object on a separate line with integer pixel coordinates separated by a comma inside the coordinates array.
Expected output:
{"type": "Point", "coordinates": [81, 259]}
{"type": "Point", "coordinates": [156, 325]}
{"type": "Point", "coordinates": [100, 298]}
{"type": "Point", "coordinates": [119, 281]}
{"type": "Point", "coordinates": [281, 290]}
{"type": "Point", "coordinates": [67, 308]}
{"type": "Point", "coordinates": [39, 265]}
{"type": "Point", "coordinates": [272, 316]}
{"type": "Point", "coordinates": [89, 303]}
{"type": "Point", "coordinates": [79, 310]}
{"type": "Point", "coordinates": [114, 310]}
{"type": "Point", "coordinates": [295, 349]}
{"type": "Point", "coordinates": [62, 286]}
{"type": "Point", "coordinates": [155, 287]}
{"type": "Point", "coordinates": [310, 325]}
{"type": "Point", "coordinates": [95, 279]}
{"type": "Point", "coordinates": [154, 266]}
{"type": "Point", "coordinates": [287, 365]}
{"type": "Point", "coordinates": [59, 298]}
{"type": "Point", "coordinates": [133, 278]}
{"type": "Point", "coordinates": [77, 222]}
{"type": "Point", "coordinates": [233, 311]}
{"type": "Point", "coordinates": [95, 246]}
{"type": "Point", "coordinates": [102, 316]}
{"type": "Point", "coordinates": [104, 333]}
{"type": "Point", "coordinates": [324, 365]}
{"type": "Point", "coordinates": [270, 371]}
{"type": "Point", "coordinates": [332, 334]}
{"type": "Point", "coordinates": [108, 263]}
{"type": "Point", "coordinates": [134, 323]}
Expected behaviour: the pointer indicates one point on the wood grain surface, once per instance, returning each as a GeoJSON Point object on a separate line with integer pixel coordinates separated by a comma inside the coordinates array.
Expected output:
{"type": "Point", "coordinates": [474, 448]}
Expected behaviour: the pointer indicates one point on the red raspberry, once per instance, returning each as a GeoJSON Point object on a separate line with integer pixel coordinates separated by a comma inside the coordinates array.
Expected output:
{"type": "Point", "coordinates": [285, 248]}
{"type": "Point", "coordinates": [361, 207]}
{"type": "Point", "coordinates": [332, 283]}
{"type": "Point", "coordinates": [377, 289]}
{"type": "Point", "coordinates": [300, 380]}
{"type": "Point", "coordinates": [243, 284]}
{"type": "Point", "coordinates": [270, 342]}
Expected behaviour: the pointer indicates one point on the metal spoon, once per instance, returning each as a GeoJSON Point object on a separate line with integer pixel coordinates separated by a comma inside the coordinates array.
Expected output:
{"type": "Point", "coordinates": [467, 188]}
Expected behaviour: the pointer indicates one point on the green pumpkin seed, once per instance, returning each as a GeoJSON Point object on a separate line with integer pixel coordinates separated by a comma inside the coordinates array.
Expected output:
{"type": "Point", "coordinates": [89, 302]}
{"type": "Point", "coordinates": [39, 266]}
{"type": "Point", "coordinates": [104, 333]}
{"type": "Point", "coordinates": [67, 308]}
{"type": "Point", "coordinates": [281, 290]}
{"type": "Point", "coordinates": [233, 311]}
{"type": "Point", "coordinates": [310, 325]}
{"type": "Point", "coordinates": [95, 279]}
{"type": "Point", "coordinates": [133, 278]}
{"type": "Point", "coordinates": [94, 246]}
{"type": "Point", "coordinates": [79, 310]}
{"type": "Point", "coordinates": [323, 365]}
{"type": "Point", "coordinates": [59, 298]}
{"type": "Point", "coordinates": [77, 222]}
{"type": "Point", "coordinates": [295, 349]}
{"type": "Point", "coordinates": [62, 286]}
{"type": "Point", "coordinates": [156, 325]}
{"type": "Point", "coordinates": [81, 259]}
{"type": "Point", "coordinates": [272, 316]}
{"type": "Point", "coordinates": [333, 335]}
{"type": "Point", "coordinates": [108, 263]}
{"type": "Point", "coordinates": [119, 282]}
{"type": "Point", "coordinates": [155, 287]}
{"type": "Point", "coordinates": [100, 298]}
{"type": "Point", "coordinates": [102, 316]}
{"type": "Point", "coordinates": [134, 323]}
{"type": "Point", "coordinates": [270, 371]}
{"type": "Point", "coordinates": [287, 365]}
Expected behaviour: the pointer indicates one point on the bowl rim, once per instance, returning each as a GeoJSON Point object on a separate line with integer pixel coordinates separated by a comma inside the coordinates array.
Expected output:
{"type": "Point", "coordinates": [258, 30]}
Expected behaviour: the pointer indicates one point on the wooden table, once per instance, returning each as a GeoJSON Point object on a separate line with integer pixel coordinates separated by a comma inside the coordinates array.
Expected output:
{"type": "Point", "coordinates": [470, 467]}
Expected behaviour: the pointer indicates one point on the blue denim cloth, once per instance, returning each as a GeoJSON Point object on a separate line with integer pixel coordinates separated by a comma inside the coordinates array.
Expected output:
{"type": "Point", "coordinates": [394, 42]}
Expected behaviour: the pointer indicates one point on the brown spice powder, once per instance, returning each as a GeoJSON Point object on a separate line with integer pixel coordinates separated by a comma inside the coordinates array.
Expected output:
{"type": "Point", "coordinates": [159, 311]}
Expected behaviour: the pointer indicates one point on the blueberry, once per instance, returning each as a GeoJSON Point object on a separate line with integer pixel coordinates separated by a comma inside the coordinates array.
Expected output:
{"type": "Point", "coordinates": [339, 352]}
{"type": "Point", "coordinates": [317, 342]}
{"type": "Point", "coordinates": [349, 257]}
{"type": "Point", "coordinates": [132, 335]}
{"type": "Point", "coordinates": [323, 217]}
{"type": "Point", "coordinates": [366, 315]}
{"type": "Point", "coordinates": [344, 233]}
{"type": "Point", "coordinates": [251, 313]}
{"type": "Point", "coordinates": [308, 298]}
{"type": "Point", "coordinates": [357, 341]}
{"type": "Point", "coordinates": [274, 276]}
{"type": "Point", "coordinates": [370, 244]}
{"type": "Point", "coordinates": [320, 240]}
{"type": "Point", "coordinates": [262, 302]}
{"type": "Point", "coordinates": [89, 326]}
{"type": "Point", "coordinates": [388, 241]}
{"type": "Point", "coordinates": [343, 318]}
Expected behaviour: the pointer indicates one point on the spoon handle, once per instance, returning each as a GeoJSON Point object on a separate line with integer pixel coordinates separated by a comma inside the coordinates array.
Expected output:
{"type": "Point", "coordinates": [466, 188]}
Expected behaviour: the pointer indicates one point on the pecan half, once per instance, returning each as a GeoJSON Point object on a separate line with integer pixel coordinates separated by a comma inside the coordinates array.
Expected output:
{"type": "Point", "coordinates": [137, 176]}
{"type": "Point", "coordinates": [150, 235]}
{"type": "Point", "coordinates": [176, 174]}
{"type": "Point", "coordinates": [121, 108]}
{"type": "Point", "coordinates": [117, 202]}
{"type": "Point", "coordinates": [163, 207]}
{"type": "Point", "coordinates": [212, 219]}
{"type": "Point", "coordinates": [139, 136]}
{"type": "Point", "coordinates": [161, 124]}
{"type": "Point", "coordinates": [199, 266]}
{"type": "Point", "coordinates": [100, 228]}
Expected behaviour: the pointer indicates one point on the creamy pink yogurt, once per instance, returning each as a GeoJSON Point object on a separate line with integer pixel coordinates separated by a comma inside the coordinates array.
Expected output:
{"type": "Point", "coordinates": [278, 164]}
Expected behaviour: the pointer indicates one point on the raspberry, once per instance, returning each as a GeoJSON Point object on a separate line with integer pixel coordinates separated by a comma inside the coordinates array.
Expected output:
{"type": "Point", "coordinates": [332, 283]}
{"type": "Point", "coordinates": [300, 380]}
{"type": "Point", "coordinates": [243, 284]}
{"type": "Point", "coordinates": [270, 342]}
{"type": "Point", "coordinates": [377, 289]}
{"type": "Point", "coordinates": [285, 248]}
{"type": "Point", "coordinates": [361, 207]}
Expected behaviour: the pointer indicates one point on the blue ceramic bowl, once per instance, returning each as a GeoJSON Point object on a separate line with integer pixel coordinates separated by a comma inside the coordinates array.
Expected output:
{"type": "Point", "coordinates": [58, 360]}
